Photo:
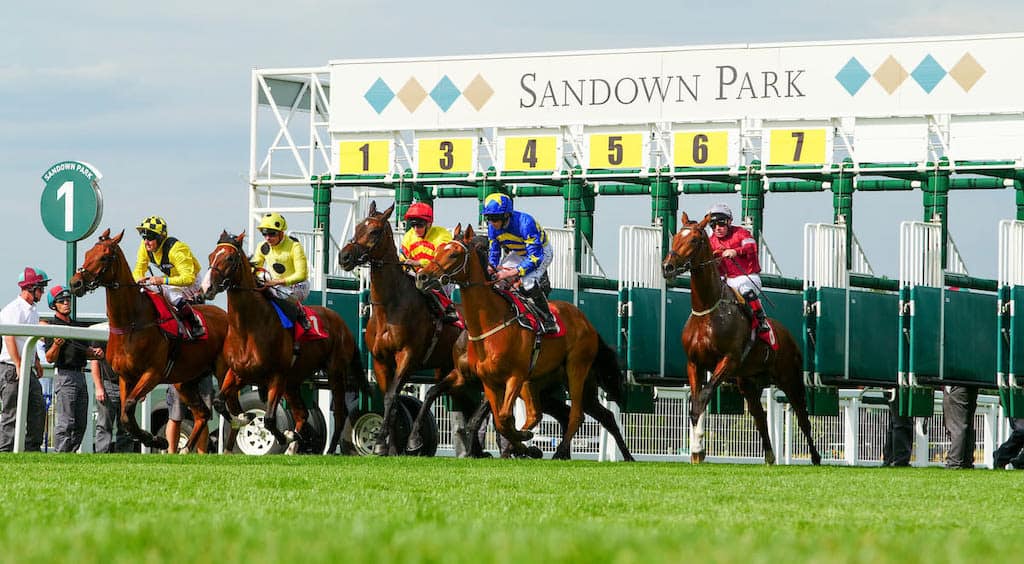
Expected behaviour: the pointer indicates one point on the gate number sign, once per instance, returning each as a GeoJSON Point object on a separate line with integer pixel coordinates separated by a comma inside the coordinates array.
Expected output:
{"type": "Point", "coordinates": [71, 205]}
{"type": "Point", "coordinates": [364, 157]}
{"type": "Point", "coordinates": [445, 155]}
{"type": "Point", "coordinates": [616, 150]}
{"type": "Point", "coordinates": [797, 146]}
{"type": "Point", "coordinates": [700, 148]}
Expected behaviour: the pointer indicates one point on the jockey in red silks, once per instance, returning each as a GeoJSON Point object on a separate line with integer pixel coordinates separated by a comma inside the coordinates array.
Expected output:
{"type": "Point", "coordinates": [739, 265]}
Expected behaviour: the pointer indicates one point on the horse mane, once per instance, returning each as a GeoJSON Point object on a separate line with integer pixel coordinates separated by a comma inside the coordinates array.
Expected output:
{"type": "Point", "coordinates": [229, 238]}
{"type": "Point", "coordinates": [480, 245]}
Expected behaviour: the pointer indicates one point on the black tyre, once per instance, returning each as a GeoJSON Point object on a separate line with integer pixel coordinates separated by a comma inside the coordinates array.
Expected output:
{"type": "Point", "coordinates": [315, 432]}
{"type": "Point", "coordinates": [254, 439]}
{"type": "Point", "coordinates": [429, 434]}
{"type": "Point", "coordinates": [184, 432]}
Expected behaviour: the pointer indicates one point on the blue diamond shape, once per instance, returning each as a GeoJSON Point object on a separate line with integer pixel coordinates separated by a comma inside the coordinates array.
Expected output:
{"type": "Point", "coordinates": [445, 93]}
{"type": "Point", "coordinates": [379, 95]}
{"type": "Point", "coordinates": [853, 75]}
{"type": "Point", "coordinates": [928, 73]}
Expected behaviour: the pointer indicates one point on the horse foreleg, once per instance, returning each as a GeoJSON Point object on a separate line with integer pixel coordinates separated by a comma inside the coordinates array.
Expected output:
{"type": "Point", "coordinates": [504, 418]}
{"type": "Point", "coordinates": [275, 388]}
{"type": "Point", "coordinates": [697, 452]}
{"type": "Point", "coordinates": [725, 367]}
{"type": "Point", "coordinates": [798, 400]}
{"type": "Point", "coordinates": [752, 393]}
{"type": "Point", "coordinates": [534, 414]}
{"type": "Point", "coordinates": [143, 386]}
{"type": "Point", "coordinates": [471, 432]}
{"type": "Point", "coordinates": [200, 416]}
{"type": "Point", "coordinates": [300, 414]}
{"type": "Point", "coordinates": [226, 403]}
{"type": "Point", "coordinates": [415, 442]}
{"type": "Point", "coordinates": [386, 380]}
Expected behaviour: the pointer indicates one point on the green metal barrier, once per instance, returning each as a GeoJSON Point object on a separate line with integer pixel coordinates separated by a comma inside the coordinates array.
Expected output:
{"type": "Point", "coordinates": [864, 353]}
{"type": "Point", "coordinates": [1011, 351]}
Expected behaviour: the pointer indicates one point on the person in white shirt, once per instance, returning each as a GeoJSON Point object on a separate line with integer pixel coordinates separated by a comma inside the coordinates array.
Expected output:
{"type": "Point", "coordinates": [32, 283]}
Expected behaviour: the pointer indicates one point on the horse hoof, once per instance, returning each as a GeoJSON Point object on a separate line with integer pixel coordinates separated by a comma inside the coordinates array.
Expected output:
{"type": "Point", "coordinates": [533, 452]}
{"type": "Point", "coordinates": [414, 444]}
{"type": "Point", "coordinates": [769, 458]}
{"type": "Point", "coordinates": [159, 443]}
{"type": "Point", "coordinates": [816, 459]}
{"type": "Point", "coordinates": [697, 457]}
{"type": "Point", "coordinates": [380, 450]}
{"type": "Point", "coordinates": [290, 436]}
{"type": "Point", "coordinates": [525, 435]}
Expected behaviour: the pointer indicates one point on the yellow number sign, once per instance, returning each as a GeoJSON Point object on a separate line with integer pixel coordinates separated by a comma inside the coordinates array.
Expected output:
{"type": "Point", "coordinates": [616, 150]}
{"type": "Point", "coordinates": [445, 155]}
{"type": "Point", "coordinates": [530, 153]}
{"type": "Point", "coordinates": [797, 146]}
{"type": "Point", "coordinates": [364, 157]}
{"type": "Point", "coordinates": [700, 148]}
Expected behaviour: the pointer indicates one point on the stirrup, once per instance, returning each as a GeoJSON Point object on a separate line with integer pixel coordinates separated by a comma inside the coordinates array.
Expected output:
{"type": "Point", "coordinates": [762, 327]}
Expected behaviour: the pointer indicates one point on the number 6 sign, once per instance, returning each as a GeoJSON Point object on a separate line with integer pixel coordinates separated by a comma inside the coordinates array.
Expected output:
{"type": "Point", "coordinates": [71, 205]}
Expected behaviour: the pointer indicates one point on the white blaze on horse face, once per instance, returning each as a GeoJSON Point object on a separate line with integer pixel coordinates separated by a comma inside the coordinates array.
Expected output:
{"type": "Point", "coordinates": [685, 232]}
{"type": "Point", "coordinates": [206, 281]}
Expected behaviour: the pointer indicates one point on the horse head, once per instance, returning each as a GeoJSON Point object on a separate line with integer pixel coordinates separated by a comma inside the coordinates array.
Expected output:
{"type": "Point", "coordinates": [451, 262]}
{"type": "Point", "coordinates": [690, 248]}
{"type": "Point", "coordinates": [365, 245]}
{"type": "Point", "coordinates": [101, 266]}
{"type": "Point", "coordinates": [226, 262]}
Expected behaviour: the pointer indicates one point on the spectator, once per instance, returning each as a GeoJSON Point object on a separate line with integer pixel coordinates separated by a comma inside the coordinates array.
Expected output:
{"type": "Point", "coordinates": [176, 412]}
{"type": "Point", "coordinates": [958, 406]}
{"type": "Point", "coordinates": [108, 411]}
{"type": "Point", "coordinates": [32, 283]}
{"type": "Point", "coordinates": [899, 437]}
{"type": "Point", "coordinates": [70, 393]}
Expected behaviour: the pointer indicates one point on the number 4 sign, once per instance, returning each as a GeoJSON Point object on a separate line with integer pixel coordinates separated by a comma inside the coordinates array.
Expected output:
{"type": "Point", "coordinates": [71, 205]}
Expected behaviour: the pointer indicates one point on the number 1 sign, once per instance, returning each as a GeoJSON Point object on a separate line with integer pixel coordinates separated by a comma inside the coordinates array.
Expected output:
{"type": "Point", "coordinates": [71, 205]}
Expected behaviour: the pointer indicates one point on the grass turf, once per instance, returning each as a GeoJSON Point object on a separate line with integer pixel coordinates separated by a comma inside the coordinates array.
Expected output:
{"type": "Point", "coordinates": [132, 508]}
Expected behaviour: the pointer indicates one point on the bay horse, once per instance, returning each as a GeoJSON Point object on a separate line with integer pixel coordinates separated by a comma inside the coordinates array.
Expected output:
{"type": "Point", "coordinates": [259, 350]}
{"type": "Point", "coordinates": [500, 352]}
{"type": "Point", "coordinates": [717, 338]}
{"type": "Point", "coordinates": [138, 351]}
{"type": "Point", "coordinates": [402, 334]}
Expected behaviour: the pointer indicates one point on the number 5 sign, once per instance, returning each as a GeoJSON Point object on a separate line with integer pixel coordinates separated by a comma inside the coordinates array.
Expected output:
{"type": "Point", "coordinates": [71, 205]}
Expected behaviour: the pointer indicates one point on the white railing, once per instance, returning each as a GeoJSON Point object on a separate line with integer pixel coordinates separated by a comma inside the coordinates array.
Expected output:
{"type": "Point", "coordinates": [562, 270]}
{"type": "Point", "coordinates": [854, 438]}
{"type": "Point", "coordinates": [825, 256]}
{"type": "Point", "coordinates": [640, 257]}
{"type": "Point", "coordinates": [920, 254]}
{"type": "Point", "coordinates": [1011, 252]}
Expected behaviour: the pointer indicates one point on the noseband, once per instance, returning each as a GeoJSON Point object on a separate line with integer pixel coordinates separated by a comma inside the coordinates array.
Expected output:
{"type": "Point", "coordinates": [94, 282]}
{"type": "Point", "coordinates": [688, 263]}
{"type": "Point", "coordinates": [234, 262]}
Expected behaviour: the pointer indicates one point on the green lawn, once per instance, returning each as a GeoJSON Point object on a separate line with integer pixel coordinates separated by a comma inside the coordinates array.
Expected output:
{"type": "Point", "coordinates": [132, 508]}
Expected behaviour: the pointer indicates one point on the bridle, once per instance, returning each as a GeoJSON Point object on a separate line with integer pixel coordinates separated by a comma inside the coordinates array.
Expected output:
{"type": "Point", "coordinates": [375, 236]}
{"type": "Point", "coordinates": [94, 279]}
{"type": "Point", "coordinates": [688, 265]}
{"type": "Point", "coordinates": [234, 262]}
{"type": "Point", "coordinates": [449, 277]}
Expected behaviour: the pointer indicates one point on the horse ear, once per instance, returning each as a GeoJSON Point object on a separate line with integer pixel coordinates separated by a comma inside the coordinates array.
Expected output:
{"type": "Point", "coordinates": [457, 232]}
{"type": "Point", "coordinates": [373, 208]}
{"type": "Point", "coordinates": [685, 219]}
{"type": "Point", "coordinates": [387, 212]}
{"type": "Point", "coordinates": [704, 222]}
{"type": "Point", "coordinates": [117, 240]}
{"type": "Point", "coordinates": [468, 235]}
{"type": "Point", "coordinates": [240, 238]}
{"type": "Point", "coordinates": [105, 234]}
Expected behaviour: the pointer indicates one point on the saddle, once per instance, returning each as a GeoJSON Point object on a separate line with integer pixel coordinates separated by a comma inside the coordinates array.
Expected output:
{"type": "Point", "coordinates": [440, 304]}
{"type": "Point", "coordinates": [316, 332]}
{"type": "Point", "coordinates": [769, 337]}
{"type": "Point", "coordinates": [526, 314]}
{"type": "Point", "coordinates": [170, 322]}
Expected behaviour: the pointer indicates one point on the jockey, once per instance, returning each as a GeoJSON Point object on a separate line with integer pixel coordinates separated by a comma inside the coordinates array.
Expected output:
{"type": "Point", "coordinates": [527, 251]}
{"type": "Point", "coordinates": [740, 266]}
{"type": "Point", "coordinates": [419, 244]}
{"type": "Point", "coordinates": [284, 260]}
{"type": "Point", "coordinates": [180, 281]}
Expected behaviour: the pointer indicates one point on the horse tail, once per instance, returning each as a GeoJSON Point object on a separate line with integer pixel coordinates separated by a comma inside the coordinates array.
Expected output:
{"type": "Point", "coordinates": [357, 381]}
{"type": "Point", "coordinates": [606, 369]}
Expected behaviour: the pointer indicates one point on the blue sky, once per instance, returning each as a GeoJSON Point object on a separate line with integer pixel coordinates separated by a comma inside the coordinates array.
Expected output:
{"type": "Point", "coordinates": [156, 96]}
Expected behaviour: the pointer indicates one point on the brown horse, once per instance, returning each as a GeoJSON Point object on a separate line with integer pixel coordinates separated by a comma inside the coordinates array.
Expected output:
{"type": "Point", "coordinates": [717, 338]}
{"type": "Point", "coordinates": [259, 350]}
{"type": "Point", "coordinates": [402, 335]}
{"type": "Point", "coordinates": [139, 352]}
{"type": "Point", "coordinates": [500, 352]}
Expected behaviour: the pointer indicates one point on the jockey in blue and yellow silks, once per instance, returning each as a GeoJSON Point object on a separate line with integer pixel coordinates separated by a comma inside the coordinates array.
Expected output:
{"type": "Point", "coordinates": [519, 247]}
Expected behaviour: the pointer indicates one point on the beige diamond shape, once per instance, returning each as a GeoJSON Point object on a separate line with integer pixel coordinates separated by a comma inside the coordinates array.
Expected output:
{"type": "Point", "coordinates": [478, 92]}
{"type": "Point", "coordinates": [967, 72]}
{"type": "Point", "coordinates": [412, 95]}
{"type": "Point", "coordinates": [890, 75]}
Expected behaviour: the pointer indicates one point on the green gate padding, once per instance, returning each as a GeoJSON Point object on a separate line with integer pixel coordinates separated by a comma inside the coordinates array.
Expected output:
{"type": "Point", "coordinates": [788, 309]}
{"type": "Point", "coordinates": [643, 329]}
{"type": "Point", "coordinates": [923, 333]}
{"type": "Point", "coordinates": [971, 331]}
{"type": "Point", "coordinates": [822, 400]}
{"type": "Point", "coordinates": [916, 401]}
{"type": "Point", "coordinates": [1011, 350]}
{"type": "Point", "coordinates": [677, 310]}
{"type": "Point", "coordinates": [601, 308]}
{"type": "Point", "coordinates": [345, 304]}
{"type": "Point", "coordinates": [873, 339]}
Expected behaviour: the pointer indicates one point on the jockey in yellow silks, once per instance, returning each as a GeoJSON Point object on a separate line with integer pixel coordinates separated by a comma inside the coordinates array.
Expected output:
{"type": "Point", "coordinates": [180, 280]}
{"type": "Point", "coordinates": [284, 261]}
{"type": "Point", "coordinates": [420, 243]}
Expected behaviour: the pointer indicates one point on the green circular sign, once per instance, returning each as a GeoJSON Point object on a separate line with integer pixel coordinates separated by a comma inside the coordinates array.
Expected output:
{"type": "Point", "coordinates": [71, 204]}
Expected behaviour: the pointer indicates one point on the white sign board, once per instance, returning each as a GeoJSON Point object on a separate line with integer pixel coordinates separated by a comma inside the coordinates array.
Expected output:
{"type": "Point", "coordinates": [823, 80]}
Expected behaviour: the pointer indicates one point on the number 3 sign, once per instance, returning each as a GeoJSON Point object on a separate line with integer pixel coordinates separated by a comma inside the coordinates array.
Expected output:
{"type": "Point", "coordinates": [71, 205]}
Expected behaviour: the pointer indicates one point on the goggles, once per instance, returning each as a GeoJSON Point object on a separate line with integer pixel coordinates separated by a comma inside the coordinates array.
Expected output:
{"type": "Point", "coordinates": [417, 223]}
{"type": "Point", "coordinates": [150, 236]}
{"type": "Point", "coordinates": [269, 232]}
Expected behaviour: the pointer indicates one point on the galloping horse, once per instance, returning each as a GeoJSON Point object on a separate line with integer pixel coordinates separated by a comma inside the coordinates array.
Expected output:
{"type": "Point", "coordinates": [717, 338]}
{"type": "Point", "coordinates": [259, 350]}
{"type": "Point", "coordinates": [138, 350]}
{"type": "Point", "coordinates": [399, 335]}
{"type": "Point", "coordinates": [500, 351]}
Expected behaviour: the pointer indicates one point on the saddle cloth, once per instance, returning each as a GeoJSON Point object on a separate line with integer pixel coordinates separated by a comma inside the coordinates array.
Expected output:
{"type": "Point", "coordinates": [167, 319]}
{"type": "Point", "coordinates": [528, 318]}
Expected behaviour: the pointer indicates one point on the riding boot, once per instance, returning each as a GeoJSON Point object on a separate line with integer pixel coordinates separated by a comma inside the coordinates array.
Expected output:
{"type": "Point", "coordinates": [546, 319]}
{"type": "Point", "coordinates": [755, 307]}
{"type": "Point", "coordinates": [193, 325]}
{"type": "Point", "coordinates": [301, 318]}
